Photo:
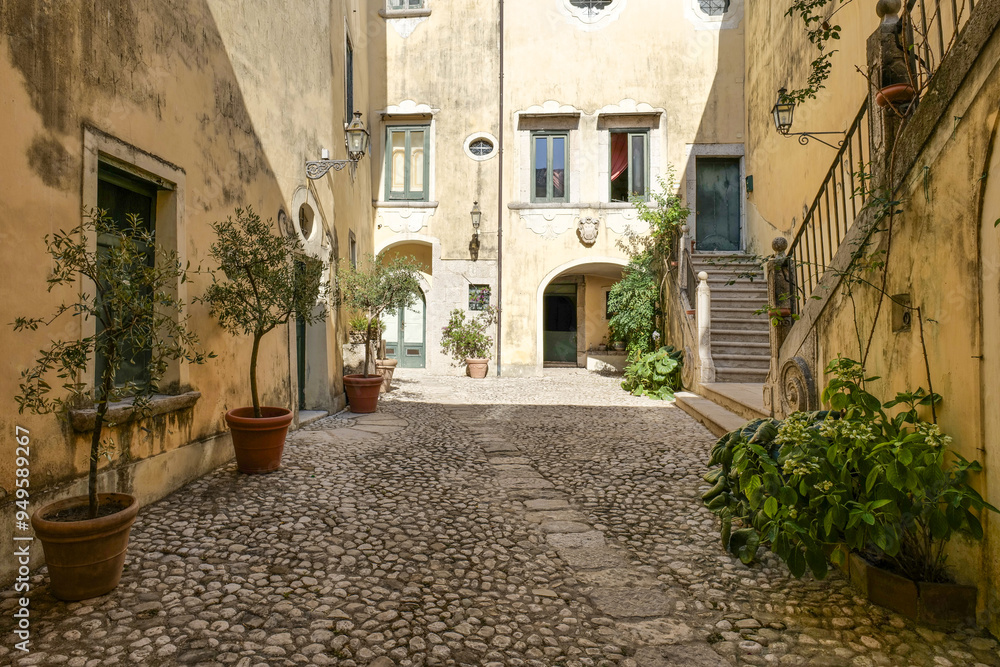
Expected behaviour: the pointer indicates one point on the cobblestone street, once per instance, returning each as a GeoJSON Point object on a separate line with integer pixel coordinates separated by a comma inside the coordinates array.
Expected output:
{"type": "Point", "coordinates": [544, 521]}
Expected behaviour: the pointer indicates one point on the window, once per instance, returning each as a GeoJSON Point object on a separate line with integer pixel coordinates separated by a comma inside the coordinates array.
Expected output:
{"type": "Point", "coordinates": [121, 194]}
{"type": "Point", "coordinates": [590, 7]}
{"type": "Point", "coordinates": [629, 164]}
{"type": "Point", "coordinates": [549, 161]}
{"type": "Point", "coordinates": [479, 297]}
{"type": "Point", "coordinates": [353, 251]}
{"type": "Point", "coordinates": [714, 7]}
{"type": "Point", "coordinates": [406, 163]}
{"type": "Point", "coordinates": [481, 147]}
{"type": "Point", "coordinates": [349, 83]}
{"type": "Point", "coordinates": [399, 5]}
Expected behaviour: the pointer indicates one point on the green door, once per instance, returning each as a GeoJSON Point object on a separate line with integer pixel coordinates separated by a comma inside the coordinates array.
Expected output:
{"type": "Point", "coordinates": [405, 335]}
{"type": "Point", "coordinates": [717, 204]}
{"type": "Point", "coordinates": [560, 323]}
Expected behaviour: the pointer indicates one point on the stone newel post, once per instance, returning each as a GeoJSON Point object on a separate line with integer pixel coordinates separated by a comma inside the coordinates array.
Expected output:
{"type": "Point", "coordinates": [704, 310]}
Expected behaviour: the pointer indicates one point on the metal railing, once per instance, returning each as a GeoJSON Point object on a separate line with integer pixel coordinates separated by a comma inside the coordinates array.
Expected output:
{"type": "Point", "coordinates": [932, 26]}
{"type": "Point", "coordinates": [834, 210]}
{"type": "Point", "coordinates": [691, 283]}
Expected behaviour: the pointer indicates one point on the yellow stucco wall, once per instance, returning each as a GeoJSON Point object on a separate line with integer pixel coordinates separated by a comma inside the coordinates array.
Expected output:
{"type": "Point", "coordinates": [231, 105]}
{"type": "Point", "coordinates": [944, 250]}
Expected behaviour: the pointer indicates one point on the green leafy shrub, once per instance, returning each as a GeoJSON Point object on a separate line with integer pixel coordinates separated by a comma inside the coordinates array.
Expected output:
{"type": "Point", "coordinates": [138, 322]}
{"type": "Point", "coordinates": [465, 337]}
{"type": "Point", "coordinates": [656, 375]}
{"type": "Point", "coordinates": [265, 280]}
{"type": "Point", "coordinates": [856, 476]}
{"type": "Point", "coordinates": [375, 286]}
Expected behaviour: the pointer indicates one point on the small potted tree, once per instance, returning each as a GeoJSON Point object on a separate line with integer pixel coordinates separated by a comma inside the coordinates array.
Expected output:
{"type": "Point", "coordinates": [466, 341]}
{"type": "Point", "coordinates": [373, 287]}
{"type": "Point", "coordinates": [265, 281]}
{"type": "Point", "coordinates": [129, 291]}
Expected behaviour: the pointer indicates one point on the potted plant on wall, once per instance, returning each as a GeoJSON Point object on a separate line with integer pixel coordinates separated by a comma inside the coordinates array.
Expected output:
{"type": "Point", "coordinates": [466, 341]}
{"type": "Point", "coordinates": [265, 281]}
{"type": "Point", "coordinates": [129, 291]}
{"type": "Point", "coordinates": [375, 286]}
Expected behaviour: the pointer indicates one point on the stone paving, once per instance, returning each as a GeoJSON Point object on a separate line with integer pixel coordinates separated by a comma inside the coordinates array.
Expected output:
{"type": "Point", "coordinates": [544, 521]}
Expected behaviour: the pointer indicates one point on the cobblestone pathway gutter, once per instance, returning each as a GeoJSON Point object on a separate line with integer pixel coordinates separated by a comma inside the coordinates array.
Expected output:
{"type": "Point", "coordinates": [543, 522]}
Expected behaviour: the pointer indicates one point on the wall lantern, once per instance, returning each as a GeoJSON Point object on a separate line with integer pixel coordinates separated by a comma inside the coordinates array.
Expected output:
{"type": "Point", "coordinates": [477, 217]}
{"type": "Point", "coordinates": [357, 140]}
{"type": "Point", "coordinates": [783, 112]}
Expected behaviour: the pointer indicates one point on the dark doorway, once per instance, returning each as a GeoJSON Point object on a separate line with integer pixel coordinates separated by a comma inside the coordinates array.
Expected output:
{"type": "Point", "coordinates": [718, 204]}
{"type": "Point", "coordinates": [560, 323]}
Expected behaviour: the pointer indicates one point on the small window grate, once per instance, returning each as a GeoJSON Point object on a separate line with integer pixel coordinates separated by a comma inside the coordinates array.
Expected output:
{"type": "Point", "coordinates": [481, 147]}
{"type": "Point", "coordinates": [591, 7]}
{"type": "Point", "coordinates": [714, 7]}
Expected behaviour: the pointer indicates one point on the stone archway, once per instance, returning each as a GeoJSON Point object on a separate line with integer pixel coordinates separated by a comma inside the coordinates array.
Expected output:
{"type": "Point", "coordinates": [592, 276]}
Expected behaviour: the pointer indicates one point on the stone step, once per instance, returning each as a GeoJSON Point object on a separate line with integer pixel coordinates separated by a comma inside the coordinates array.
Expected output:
{"type": "Point", "coordinates": [715, 418]}
{"type": "Point", "coordinates": [726, 374]}
{"type": "Point", "coordinates": [741, 360]}
{"type": "Point", "coordinates": [744, 399]}
{"type": "Point", "coordinates": [729, 302]}
{"type": "Point", "coordinates": [743, 324]}
{"type": "Point", "coordinates": [739, 347]}
{"type": "Point", "coordinates": [738, 335]}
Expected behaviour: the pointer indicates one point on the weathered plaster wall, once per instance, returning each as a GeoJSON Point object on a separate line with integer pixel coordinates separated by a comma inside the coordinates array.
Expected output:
{"type": "Point", "coordinates": [787, 175]}
{"type": "Point", "coordinates": [212, 91]}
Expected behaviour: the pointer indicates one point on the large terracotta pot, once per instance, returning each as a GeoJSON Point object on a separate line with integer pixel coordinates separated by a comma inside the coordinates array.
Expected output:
{"type": "Point", "coordinates": [477, 367]}
{"type": "Point", "coordinates": [258, 441]}
{"type": "Point", "coordinates": [362, 392]}
{"type": "Point", "coordinates": [897, 93]}
{"type": "Point", "coordinates": [85, 558]}
{"type": "Point", "coordinates": [385, 368]}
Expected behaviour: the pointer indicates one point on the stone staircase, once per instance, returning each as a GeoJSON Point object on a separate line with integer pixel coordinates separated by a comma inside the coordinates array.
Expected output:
{"type": "Point", "coordinates": [740, 339]}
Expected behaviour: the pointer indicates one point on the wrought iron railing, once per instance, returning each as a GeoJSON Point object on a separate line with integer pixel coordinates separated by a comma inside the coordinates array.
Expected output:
{"type": "Point", "coordinates": [834, 210]}
{"type": "Point", "coordinates": [932, 26]}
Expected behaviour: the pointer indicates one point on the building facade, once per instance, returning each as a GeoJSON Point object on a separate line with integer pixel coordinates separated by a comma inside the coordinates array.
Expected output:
{"type": "Point", "coordinates": [546, 117]}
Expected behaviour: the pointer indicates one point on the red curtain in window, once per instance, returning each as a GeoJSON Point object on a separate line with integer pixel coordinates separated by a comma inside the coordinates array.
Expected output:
{"type": "Point", "coordinates": [619, 154]}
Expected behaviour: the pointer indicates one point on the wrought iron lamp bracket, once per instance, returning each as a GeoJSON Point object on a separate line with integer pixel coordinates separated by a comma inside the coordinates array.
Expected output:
{"type": "Point", "coordinates": [804, 137]}
{"type": "Point", "coordinates": [319, 168]}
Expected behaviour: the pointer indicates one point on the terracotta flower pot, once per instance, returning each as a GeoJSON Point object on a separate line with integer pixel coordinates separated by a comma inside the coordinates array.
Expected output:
{"type": "Point", "coordinates": [258, 441]}
{"type": "Point", "coordinates": [477, 367]}
{"type": "Point", "coordinates": [898, 93]}
{"type": "Point", "coordinates": [85, 558]}
{"type": "Point", "coordinates": [385, 368]}
{"type": "Point", "coordinates": [362, 392]}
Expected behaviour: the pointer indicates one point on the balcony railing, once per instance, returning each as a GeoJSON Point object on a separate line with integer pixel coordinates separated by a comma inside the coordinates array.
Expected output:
{"type": "Point", "coordinates": [932, 26]}
{"type": "Point", "coordinates": [834, 210]}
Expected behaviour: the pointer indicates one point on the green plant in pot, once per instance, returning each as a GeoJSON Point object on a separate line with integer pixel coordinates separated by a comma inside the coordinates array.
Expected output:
{"type": "Point", "coordinates": [867, 475]}
{"type": "Point", "coordinates": [466, 340]}
{"type": "Point", "coordinates": [127, 288]}
{"type": "Point", "coordinates": [374, 287]}
{"type": "Point", "coordinates": [262, 281]}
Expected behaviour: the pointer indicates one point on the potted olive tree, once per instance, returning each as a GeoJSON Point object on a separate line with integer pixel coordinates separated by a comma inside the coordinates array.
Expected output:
{"type": "Point", "coordinates": [375, 286]}
{"type": "Point", "coordinates": [264, 281]}
{"type": "Point", "coordinates": [127, 287]}
{"type": "Point", "coordinates": [466, 341]}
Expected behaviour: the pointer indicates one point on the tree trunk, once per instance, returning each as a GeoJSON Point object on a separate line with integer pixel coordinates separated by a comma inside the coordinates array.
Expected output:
{"type": "Point", "coordinates": [107, 384]}
{"type": "Point", "coordinates": [253, 375]}
{"type": "Point", "coordinates": [368, 345]}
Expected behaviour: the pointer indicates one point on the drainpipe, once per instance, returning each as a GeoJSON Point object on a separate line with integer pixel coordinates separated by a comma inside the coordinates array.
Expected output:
{"type": "Point", "coordinates": [500, 208]}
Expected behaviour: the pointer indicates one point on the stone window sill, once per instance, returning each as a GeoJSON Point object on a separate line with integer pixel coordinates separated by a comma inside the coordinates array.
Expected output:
{"type": "Point", "coordinates": [405, 204]}
{"type": "Point", "coordinates": [83, 420]}
{"type": "Point", "coordinates": [520, 206]}
{"type": "Point", "coordinates": [403, 13]}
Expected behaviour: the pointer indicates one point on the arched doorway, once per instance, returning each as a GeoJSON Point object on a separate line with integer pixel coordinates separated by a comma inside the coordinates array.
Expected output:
{"type": "Point", "coordinates": [572, 316]}
{"type": "Point", "coordinates": [406, 334]}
